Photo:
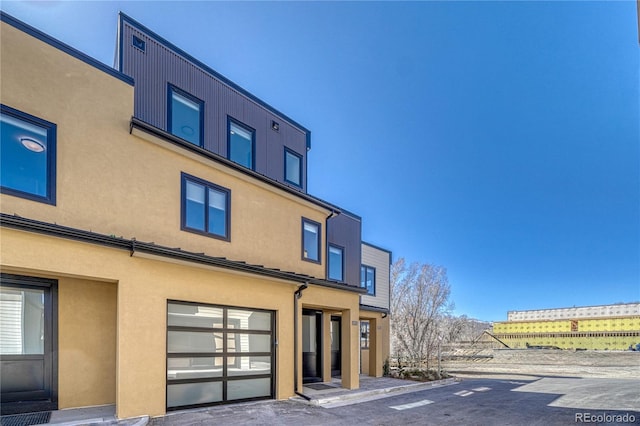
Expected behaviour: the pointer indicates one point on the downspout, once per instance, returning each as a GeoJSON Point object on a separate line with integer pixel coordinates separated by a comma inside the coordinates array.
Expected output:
{"type": "Point", "coordinates": [297, 295]}
{"type": "Point", "coordinates": [326, 227]}
{"type": "Point", "coordinates": [326, 238]}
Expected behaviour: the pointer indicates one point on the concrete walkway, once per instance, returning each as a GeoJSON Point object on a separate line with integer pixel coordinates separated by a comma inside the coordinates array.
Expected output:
{"type": "Point", "coordinates": [327, 395]}
{"type": "Point", "coordinates": [371, 388]}
{"type": "Point", "coordinates": [102, 415]}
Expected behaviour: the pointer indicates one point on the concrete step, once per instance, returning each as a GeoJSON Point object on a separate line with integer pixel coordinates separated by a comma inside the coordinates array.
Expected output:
{"type": "Point", "coordinates": [339, 399]}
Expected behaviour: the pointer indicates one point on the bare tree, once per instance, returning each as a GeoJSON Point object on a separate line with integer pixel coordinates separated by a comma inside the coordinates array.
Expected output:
{"type": "Point", "coordinates": [419, 305]}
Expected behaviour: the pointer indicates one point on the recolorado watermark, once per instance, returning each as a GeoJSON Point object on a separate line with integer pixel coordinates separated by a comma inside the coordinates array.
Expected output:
{"type": "Point", "coordinates": [604, 418]}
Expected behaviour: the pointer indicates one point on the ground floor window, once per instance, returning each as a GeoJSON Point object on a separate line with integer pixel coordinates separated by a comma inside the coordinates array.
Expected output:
{"type": "Point", "coordinates": [217, 354]}
{"type": "Point", "coordinates": [364, 334]}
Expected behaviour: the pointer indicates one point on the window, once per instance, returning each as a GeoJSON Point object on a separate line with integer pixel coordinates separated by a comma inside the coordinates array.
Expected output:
{"type": "Point", "coordinates": [364, 334]}
{"type": "Point", "coordinates": [368, 279]}
{"type": "Point", "coordinates": [185, 116]}
{"type": "Point", "coordinates": [310, 240]}
{"type": "Point", "coordinates": [28, 156]}
{"type": "Point", "coordinates": [292, 167]}
{"type": "Point", "coordinates": [22, 328]}
{"type": "Point", "coordinates": [205, 207]}
{"type": "Point", "coordinates": [240, 143]}
{"type": "Point", "coordinates": [336, 263]}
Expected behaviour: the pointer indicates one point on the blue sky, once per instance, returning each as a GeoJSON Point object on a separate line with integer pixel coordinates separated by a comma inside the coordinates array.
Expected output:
{"type": "Point", "coordinates": [498, 139]}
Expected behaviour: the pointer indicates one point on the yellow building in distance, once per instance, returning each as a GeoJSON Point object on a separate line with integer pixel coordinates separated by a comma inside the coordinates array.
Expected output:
{"type": "Point", "coordinates": [604, 327]}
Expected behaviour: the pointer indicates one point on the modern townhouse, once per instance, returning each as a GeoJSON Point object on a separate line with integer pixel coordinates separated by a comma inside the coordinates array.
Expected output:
{"type": "Point", "coordinates": [375, 271]}
{"type": "Point", "coordinates": [159, 248]}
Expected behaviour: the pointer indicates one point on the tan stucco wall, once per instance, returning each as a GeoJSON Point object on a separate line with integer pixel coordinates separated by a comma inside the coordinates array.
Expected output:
{"type": "Point", "coordinates": [87, 342]}
{"type": "Point", "coordinates": [364, 361]}
{"type": "Point", "coordinates": [143, 287]}
{"type": "Point", "coordinates": [142, 339]}
{"type": "Point", "coordinates": [345, 304]}
{"type": "Point", "coordinates": [372, 359]}
{"type": "Point", "coordinates": [115, 183]}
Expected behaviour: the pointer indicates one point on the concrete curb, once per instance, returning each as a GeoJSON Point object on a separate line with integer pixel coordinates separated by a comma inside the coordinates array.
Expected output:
{"type": "Point", "coordinates": [98, 421]}
{"type": "Point", "coordinates": [378, 393]}
{"type": "Point", "coordinates": [134, 421]}
{"type": "Point", "coordinates": [94, 421]}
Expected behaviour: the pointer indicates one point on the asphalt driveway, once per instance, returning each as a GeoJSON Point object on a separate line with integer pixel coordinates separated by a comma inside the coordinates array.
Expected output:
{"type": "Point", "coordinates": [496, 401]}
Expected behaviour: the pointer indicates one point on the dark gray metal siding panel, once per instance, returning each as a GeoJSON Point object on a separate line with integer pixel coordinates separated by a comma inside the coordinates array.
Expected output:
{"type": "Point", "coordinates": [295, 140]}
{"type": "Point", "coordinates": [158, 66]}
{"type": "Point", "coordinates": [232, 106]}
{"type": "Point", "coordinates": [274, 163]}
{"type": "Point", "coordinates": [288, 137]}
{"type": "Point", "coordinates": [345, 231]}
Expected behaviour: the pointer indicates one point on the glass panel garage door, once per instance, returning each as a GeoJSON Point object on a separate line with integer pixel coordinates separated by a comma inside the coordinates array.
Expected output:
{"type": "Point", "coordinates": [218, 354]}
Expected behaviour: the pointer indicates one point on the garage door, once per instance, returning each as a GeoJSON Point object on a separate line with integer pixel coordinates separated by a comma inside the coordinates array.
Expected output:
{"type": "Point", "coordinates": [218, 354]}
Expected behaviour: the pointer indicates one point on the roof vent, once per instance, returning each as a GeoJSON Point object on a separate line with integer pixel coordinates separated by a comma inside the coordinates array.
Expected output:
{"type": "Point", "coordinates": [138, 43]}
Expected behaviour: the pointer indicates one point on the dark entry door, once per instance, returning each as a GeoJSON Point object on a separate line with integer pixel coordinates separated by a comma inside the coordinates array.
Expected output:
{"type": "Point", "coordinates": [311, 346]}
{"type": "Point", "coordinates": [27, 364]}
{"type": "Point", "coordinates": [335, 346]}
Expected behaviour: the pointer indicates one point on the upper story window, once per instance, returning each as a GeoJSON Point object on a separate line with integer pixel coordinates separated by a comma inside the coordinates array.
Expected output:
{"type": "Point", "coordinates": [292, 167]}
{"type": "Point", "coordinates": [336, 263]}
{"type": "Point", "coordinates": [186, 114]}
{"type": "Point", "coordinates": [27, 156]}
{"type": "Point", "coordinates": [241, 143]}
{"type": "Point", "coordinates": [205, 207]}
{"type": "Point", "coordinates": [368, 279]}
{"type": "Point", "coordinates": [310, 240]}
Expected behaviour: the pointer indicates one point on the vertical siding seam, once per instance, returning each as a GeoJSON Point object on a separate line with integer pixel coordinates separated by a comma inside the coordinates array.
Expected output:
{"type": "Point", "coordinates": [160, 65]}
{"type": "Point", "coordinates": [198, 70]}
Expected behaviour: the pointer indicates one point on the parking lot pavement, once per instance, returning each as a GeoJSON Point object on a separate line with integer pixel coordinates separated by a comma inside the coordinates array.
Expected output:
{"type": "Point", "coordinates": [501, 402]}
{"type": "Point", "coordinates": [497, 401]}
{"type": "Point", "coordinates": [260, 413]}
{"type": "Point", "coordinates": [592, 394]}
